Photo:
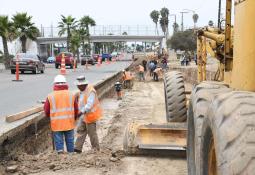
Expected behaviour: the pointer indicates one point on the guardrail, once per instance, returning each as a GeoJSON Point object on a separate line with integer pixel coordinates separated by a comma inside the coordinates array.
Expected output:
{"type": "Point", "coordinates": [34, 131]}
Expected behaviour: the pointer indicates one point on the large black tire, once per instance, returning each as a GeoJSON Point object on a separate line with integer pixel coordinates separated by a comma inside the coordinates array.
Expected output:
{"type": "Point", "coordinates": [175, 98]}
{"type": "Point", "coordinates": [201, 96]}
{"type": "Point", "coordinates": [230, 129]}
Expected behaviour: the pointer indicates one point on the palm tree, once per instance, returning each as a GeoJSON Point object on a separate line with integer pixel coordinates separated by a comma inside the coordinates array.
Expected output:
{"type": "Point", "coordinates": [7, 32]}
{"type": "Point", "coordinates": [25, 29]}
{"type": "Point", "coordinates": [164, 25]}
{"type": "Point", "coordinates": [195, 18]}
{"type": "Point", "coordinates": [67, 25]}
{"type": "Point", "coordinates": [164, 12]}
{"type": "Point", "coordinates": [210, 23]}
{"type": "Point", "coordinates": [85, 23]}
{"type": "Point", "coordinates": [176, 27]}
{"type": "Point", "coordinates": [75, 43]}
{"type": "Point", "coordinates": [155, 17]}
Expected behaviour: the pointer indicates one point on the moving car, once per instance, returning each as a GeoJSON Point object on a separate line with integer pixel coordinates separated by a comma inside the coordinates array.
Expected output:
{"type": "Point", "coordinates": [106, 56]}
{"type": "Point", "coordinates": [69, 60]}
{"type": "Point", "coordinates": [27, 62]}
{"type": "Point", "coordinates": [51, 60]}
{"type": "Point", "coordinates": [88, 58]}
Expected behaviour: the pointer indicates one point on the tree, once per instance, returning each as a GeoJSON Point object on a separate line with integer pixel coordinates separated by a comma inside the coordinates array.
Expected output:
{"type": "Point", "coordinates": [210, 23]}
{"type": "Point", "coordinates": [183, 41]}
{"type": "Point", "coordinates": [164, 12]}
{"type": "Point", "coordinates": [175, 27]}
{"type": "Point", "coordinates": [7, 32]}
{"type": "Point", "coordinates": [67, 25]}
{"type": "Point", "coordinates": [25, 29]}
{"type": "Point", "coordinates": [124, 33]}
{"type": "Point", "coordinates": [75, 42]}
{"type": "Point", "coordinates": [195, 18]}
{"type": "Point", "coordinates": [85, 23]}
{"type": "Point", "coordinates": [155, 17]}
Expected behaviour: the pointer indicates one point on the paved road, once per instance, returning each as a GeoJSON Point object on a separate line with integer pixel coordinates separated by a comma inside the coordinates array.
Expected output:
{"type": "Point", "coordinates": [19, 96]}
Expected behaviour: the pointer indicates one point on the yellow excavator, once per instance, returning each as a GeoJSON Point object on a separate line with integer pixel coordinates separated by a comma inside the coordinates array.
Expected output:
{"type": "Point", "coordinates": [217, 128]}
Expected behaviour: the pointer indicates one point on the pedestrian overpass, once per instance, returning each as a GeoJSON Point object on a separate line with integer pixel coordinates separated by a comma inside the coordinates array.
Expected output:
{"type": "Point", "coordinates": [103, 34]}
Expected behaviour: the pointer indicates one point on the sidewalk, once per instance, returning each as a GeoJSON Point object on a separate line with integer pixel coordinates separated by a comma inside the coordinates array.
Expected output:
{"type": "Point", "coordinates": [2, 67]}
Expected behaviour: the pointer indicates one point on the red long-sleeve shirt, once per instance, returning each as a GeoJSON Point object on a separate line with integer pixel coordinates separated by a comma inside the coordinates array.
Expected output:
{"type": "Point", "coordinates": [47, 103]}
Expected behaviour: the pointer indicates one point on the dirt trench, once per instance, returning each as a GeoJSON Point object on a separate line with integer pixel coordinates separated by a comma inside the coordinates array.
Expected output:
{"type": "Point", "coordinates": [145, 102]}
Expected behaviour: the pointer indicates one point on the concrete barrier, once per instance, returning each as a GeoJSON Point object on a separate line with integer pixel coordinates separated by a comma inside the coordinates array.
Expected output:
{"type": "Point", "coordinates": [34, 135]}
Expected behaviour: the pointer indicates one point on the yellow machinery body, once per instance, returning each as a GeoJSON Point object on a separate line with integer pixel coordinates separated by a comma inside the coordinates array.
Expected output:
{"type": "Point", "coordinates": [237, 67]}
{"type": "Point", "coordinates": [243, 72]}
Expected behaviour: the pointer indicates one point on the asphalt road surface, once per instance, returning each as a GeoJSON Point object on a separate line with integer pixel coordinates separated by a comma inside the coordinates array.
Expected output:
{"type": "Point", "coordinates": [19, 96]}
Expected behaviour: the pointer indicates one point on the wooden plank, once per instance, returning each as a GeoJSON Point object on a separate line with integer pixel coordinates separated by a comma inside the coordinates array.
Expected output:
{"type": "Point", "coordinates": [23, 114]}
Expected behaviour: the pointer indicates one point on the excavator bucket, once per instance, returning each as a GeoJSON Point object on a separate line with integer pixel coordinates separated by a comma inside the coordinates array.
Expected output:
{"type": "Point", "coordinates": [141, 137]}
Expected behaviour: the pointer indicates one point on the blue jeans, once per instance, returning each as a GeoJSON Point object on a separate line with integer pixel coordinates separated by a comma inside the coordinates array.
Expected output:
{"type": "Point", "coordinates": [59, 140]}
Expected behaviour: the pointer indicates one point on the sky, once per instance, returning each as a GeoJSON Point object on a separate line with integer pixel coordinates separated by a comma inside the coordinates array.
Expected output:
{"type": "Point", "coordinates": [110, 12]}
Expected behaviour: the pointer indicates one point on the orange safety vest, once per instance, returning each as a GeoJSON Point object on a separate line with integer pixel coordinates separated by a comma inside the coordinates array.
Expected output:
{"type": "Point", "coordinates": [96, 111]}
{"type": "Point", "coordinates": [62, 110]}
{"type": "Point", "coordinates": [141, 68]}
{"type": "Point", "coordinates": [128, 75]}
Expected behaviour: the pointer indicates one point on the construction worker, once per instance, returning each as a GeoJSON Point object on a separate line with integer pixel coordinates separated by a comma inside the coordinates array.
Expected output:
{"type": "Point", "coordinates": [62, 108]}
{"type": "Point", "coordinates": [157, 72]}
{"type": "Point", "coordinates": [141, 72]}
{"type": "Point", "coordinates": [127, 78]}
{"type": "Point", "coordinates": [90, 112]}
{"type": "Point", "coordinates": [118, 89]}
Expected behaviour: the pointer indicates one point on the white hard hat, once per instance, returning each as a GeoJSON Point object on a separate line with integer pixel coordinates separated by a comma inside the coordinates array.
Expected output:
{"type": "Point", "coordinates": [81, 80]}
{"type": "Point", "coordinates": [59, 79]}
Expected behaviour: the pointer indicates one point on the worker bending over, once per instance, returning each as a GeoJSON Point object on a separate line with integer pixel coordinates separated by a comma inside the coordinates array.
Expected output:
{"type": "Point", "coordinates": [62, 108]}
{"type": "Point", "coordinates": [90, 112]}
{"type": "Point", "coordinates": [127, 78]}
{"type": "Point", "coordinates": [157, 72]}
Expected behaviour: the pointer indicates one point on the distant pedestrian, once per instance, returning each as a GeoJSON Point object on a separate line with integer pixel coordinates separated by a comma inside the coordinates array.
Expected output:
{"type": "Point", "coordinates": [62, 108]}
{"type": "Point", "coordinates": [91, 112]}
{"type": "Point", "coordinates": [141, 73]}
{"type": "Point", "coordinates": [144, 62]}
{"type": "Point", "coordinates": [152, 67]}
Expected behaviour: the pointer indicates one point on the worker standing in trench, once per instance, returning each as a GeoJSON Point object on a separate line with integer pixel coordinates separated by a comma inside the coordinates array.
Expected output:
{"type": "Point", "coordinates": [62, 108]}
{"type": "Point", "coordinates": [90, 111]}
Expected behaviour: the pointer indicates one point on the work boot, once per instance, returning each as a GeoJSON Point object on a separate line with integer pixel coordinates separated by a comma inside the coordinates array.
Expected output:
{"type": "Point", "coordinates": [77, 151]}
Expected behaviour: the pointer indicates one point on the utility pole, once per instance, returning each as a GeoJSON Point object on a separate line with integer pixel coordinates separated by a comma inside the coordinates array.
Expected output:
{"type": "Point", "coordinates": [219, 14]}
{"type": "Point", "coordinates": [182, 20]}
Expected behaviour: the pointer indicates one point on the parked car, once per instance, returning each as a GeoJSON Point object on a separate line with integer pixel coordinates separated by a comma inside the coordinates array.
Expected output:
{"type": "Point", "coordinates": [27, 62]}
{"type": "Point", "coordinates": [69, 60]}
{"type": "Point", "coordinates": [106, 56]}
{"type": "Point", "coordinates": [95, 56]}
{"type": "Point", "coordinates": [51, 60]}
{"type": "Point", "coordinates": [88, 58]}
{"type": "Point", "coordinates": [114, 54]}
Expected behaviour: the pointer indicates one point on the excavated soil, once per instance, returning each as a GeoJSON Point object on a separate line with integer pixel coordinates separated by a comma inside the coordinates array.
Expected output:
{"type": "Point", "coordinates": [145, 102]}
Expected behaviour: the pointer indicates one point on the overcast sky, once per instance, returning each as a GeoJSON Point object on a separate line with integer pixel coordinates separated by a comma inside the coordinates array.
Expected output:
{"type": "Point", "coordinates": [110, 12]}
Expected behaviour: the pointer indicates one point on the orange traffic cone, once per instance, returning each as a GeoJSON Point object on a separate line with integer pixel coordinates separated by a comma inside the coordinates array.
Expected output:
{"type": "Point", "coordinates": [99, 62]}
{"type": "Point", "coordinates": [63, 65]}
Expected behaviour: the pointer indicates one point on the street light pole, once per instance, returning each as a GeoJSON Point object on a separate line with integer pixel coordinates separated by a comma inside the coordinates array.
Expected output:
{"type": "Point", "coordinates": [192, 16]}
{"type": "Point", "coordinates": [182, 20]}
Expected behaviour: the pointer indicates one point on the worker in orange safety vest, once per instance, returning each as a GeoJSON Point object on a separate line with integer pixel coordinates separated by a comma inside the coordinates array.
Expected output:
{"type": "Point", "coordinates": [141, 73]}
{"type": "Point", "coordinates": [91, 112]}
{"type": "Point", "coordinates": [127, 78]}
{"type": "Point", "coordinates": [62, 109]}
